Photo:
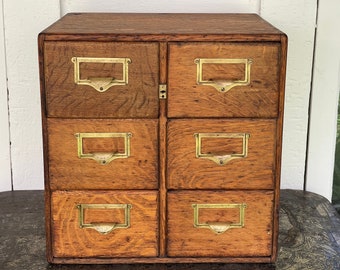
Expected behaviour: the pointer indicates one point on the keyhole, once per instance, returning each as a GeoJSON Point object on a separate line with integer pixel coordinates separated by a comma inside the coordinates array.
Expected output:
{"type": "Point", "coordinates": [163, 92]}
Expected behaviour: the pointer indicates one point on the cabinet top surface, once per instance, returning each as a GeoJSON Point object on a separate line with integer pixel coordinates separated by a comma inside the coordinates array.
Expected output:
{"type": "Point", "coordinates": [139, 24]}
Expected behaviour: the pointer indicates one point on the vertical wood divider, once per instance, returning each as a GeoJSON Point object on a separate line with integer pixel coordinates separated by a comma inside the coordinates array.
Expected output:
{"type": "Point", "coordinates": [162, 150]}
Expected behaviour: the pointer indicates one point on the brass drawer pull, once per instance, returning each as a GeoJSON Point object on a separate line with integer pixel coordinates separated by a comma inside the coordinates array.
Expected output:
{"type": "Point", "coordinates": [104, 157]}
{"type": "Point", "coordinates": [104, 83]}
{"type": "Point", "coordinates": [224, 158]}
{"type": "Point", "coordinates": [219, 227]}
{"type": "Point", "coordinates": [224, 85]}
{"type": "Point", "coordinates": [104, 228]}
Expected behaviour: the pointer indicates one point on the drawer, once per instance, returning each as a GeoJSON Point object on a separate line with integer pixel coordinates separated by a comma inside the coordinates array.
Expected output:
{"type": "Point", "coordinates": [223, 79]}
{"type": "Point", "coordinates": [221, 154]}
{"type": "Point", "coordinates": [215, 223]}
{"type": "Point", "coordinates": [103, 154]}
{"type": "Point", "coordinates": [101, 79]}
{"type": "Point", "coordinates": [105, 224]}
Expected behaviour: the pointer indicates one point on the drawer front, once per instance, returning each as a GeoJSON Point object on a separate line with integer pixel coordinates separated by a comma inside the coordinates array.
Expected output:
{"type": "Point", "coordinates": [105, 224]}
{"type": "Point", "coordinates": [101, 79]}
{"type": "Point", "coordinates": [103, 154]}
{"type": "Point", "coordinates": [215, 224]}
{"type": "Point", "coordinates": [221, 154]}
{"type": "Point", "coordinates": [223, 80]}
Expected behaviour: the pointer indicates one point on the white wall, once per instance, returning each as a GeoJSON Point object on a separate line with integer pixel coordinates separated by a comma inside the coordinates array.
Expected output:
{"type": "Point", "coordinates": [5, 168]}
{"type": "Point", "coordinates": [324, 99]}
{"type": "Point", "coordinates": [22, 26]}
{"type": "Point", "coordinates": [174, 6]}
{"type": "Point", "coordinates": [295, 17]}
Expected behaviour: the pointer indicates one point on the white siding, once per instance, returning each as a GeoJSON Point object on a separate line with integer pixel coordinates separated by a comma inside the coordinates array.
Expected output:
{"type": "Point", "coordinates": [165, 6]}
{"type": "Point", "coordinates": [23, 21]}
{"type": "Point", "coordinates": [5, 165]}
{"type": "Point", "coordinates": [324, 102]}
{"type": "Point", "coordinates": [297, 20]}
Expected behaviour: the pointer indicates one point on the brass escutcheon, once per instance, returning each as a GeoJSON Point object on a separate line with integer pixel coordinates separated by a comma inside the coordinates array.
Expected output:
{"type": "Point", "coordinates": [103, 158]}
{"type": "Point", "coordinates": [104, 83]}
{"type": "Point", "coordinates": [219, 227]}
{"type": "Point", "coordinates": [223, 86]}
{"type": "Point", "coordinates": [221, 159]}
{"type": "Point", "coordinates": [104, 228]}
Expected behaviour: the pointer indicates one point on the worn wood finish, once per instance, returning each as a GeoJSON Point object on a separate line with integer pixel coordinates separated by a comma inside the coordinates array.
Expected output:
{"type": "Point", "coordinates": [161, 27]}
{"type": "Point", "coordinates": [256, 171]}
{"type": "Point", "coordinates": [279, 134]}
{"type": "Point", "coordinates": [254, 239]}
{"type": "Point", "coordinates": [166, 260]}
{"type": "Point", "coordinates": [162, 153]}
{"type": "Point", "coordinates": [64, 98]}
{"type": "Point", "coordinates": [140, 239]}
{"type": "Point", "coordinates": [68, 171]}
{"type": "Point", "coordinates": [162, 177]}
{"type": "Point", "coordinates": [258, 99]}
{"type": "Point", "coordinates": [47, 212]}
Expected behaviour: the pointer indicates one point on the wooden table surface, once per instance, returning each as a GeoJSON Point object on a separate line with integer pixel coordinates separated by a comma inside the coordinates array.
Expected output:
{"type": "Point", "coordinates": [309, 236]}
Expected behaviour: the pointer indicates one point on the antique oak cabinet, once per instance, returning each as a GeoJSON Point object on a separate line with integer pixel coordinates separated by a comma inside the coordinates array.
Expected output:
{"type": "Point", "coordinates": [162, 137]}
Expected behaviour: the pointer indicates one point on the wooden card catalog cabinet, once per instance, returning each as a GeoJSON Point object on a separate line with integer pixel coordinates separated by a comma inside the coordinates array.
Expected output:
{"type": "Point", "coordinates": [162, 137]}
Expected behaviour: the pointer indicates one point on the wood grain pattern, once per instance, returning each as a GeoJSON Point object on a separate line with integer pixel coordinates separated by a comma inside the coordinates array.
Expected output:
{"type": "Point", "coordinates": [140, 239]}
{"type": "Point", "coordinates": [256, 171]}
{"type": "Point", "coordinates": [279, 132]}
{"type": "Point", "coordinates": [254, 239]}
{"type": "Point", "coordinates": [162, 178]}
{"type": "Point", "coordinates": [138, 99]}
{"type": "Point", "coordinates": [258, 99]}
{"type": "Point", "coordinates": [162, 154]}
{"type": "Point", "coordinates": [68, 171]}
{"type": "Point", "coordinates": [47, 212]}
{"type": "Point", "coordinates": [159, 26]}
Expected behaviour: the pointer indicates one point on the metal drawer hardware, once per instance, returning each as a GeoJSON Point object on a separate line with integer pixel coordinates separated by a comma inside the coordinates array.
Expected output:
{"type": "Point", "coordinates": [223, 86]}
{"type": "Point", "coordinates": [101, 84]}
{"type": "Point", "coordinates": [162, 91]}
{"type": "Point", "coordinates": [221, 159]}
{"type": "Point", "coordinates": [103, 158]}
{"type": "Point", "coordinates": [219, 227]}
{"type": "Point", "coordinates": [104, 228]}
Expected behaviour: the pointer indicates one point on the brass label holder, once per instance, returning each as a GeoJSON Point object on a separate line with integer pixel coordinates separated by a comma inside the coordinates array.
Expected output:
{"type": "Point", "coordinates": [223, 86]}
{"type": "Point", "coordinates": [219, 227]}
{"type": "Point", "coordinates": [103, 158]}
{"type": "Point", "coordinates": [104, 83]}
{"type": "Point", "coordinates": [104, 228]}
{"type": "Point", "coordinates": [221, 159]}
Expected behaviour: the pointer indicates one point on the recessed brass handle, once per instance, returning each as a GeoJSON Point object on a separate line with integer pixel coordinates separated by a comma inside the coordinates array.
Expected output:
{"type": "Point", "coordinates": [104, 228]}
{"type": "Point", "coordinates": [104, 83]}
{"type": "Point", "coordinates": [225, 158]}
{"type": "Point", "coordinates": [107, 157]}
{"type": "Point", "coordinates": [219, 227]}
{"type": "Point", "coordinates": [225, 85]}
